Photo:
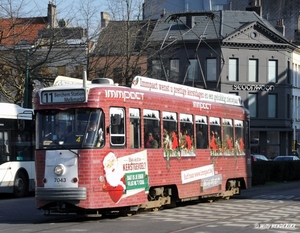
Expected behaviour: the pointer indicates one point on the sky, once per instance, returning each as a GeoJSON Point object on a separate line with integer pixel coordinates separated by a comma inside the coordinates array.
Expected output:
{"type": "Point", "coordinates": [72, 10]}
{"type": "Point", "coordinates": [65, 8]}
{"type": "Point", "coordinates": [77, 13]}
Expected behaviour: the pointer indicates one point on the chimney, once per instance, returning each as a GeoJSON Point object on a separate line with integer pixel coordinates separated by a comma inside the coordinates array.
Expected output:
{"type": "Point", "coordinates": [52, 15]}
{"type": "Point", "coordinates": [280, 26]}
{"type": "Point", "coordinates": [163, 13]}
{"type": "Point", "coordinates": [297, 32]}
{"type": "Point", "coordinates": [105, 18]}
{"type": "Point", "coordinates": [254, 2]}
{"type": "Point", "coordinates": [255, 5]}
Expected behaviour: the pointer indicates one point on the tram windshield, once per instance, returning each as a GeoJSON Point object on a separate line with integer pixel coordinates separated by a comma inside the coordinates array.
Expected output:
{"type": "Point", "coordinates": [70, 129]}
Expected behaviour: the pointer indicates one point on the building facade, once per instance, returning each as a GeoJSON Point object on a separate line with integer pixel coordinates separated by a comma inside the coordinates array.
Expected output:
{"type": "Point", "coordinates": [235, 52]}
{"type": "Point", "coordinates": [285, 10]}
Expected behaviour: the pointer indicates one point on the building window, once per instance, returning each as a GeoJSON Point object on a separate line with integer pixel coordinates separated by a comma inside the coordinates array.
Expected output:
{"type": "Point", "coordinates": [100, 73]}
{"type": "Point", "coordinates": [211, 69]}
{"type": "Point", "coordinates": [174, 71]}
{"type": "Point", "coordinates": [289, 73]}
{"type": "Point", "coordinates": [295, 74]}
{"type": "Point", "coordinates": [118, 75]}
{"type": "Point", "coordinates": [61, 70]}
{"type": "Point", "coordinates": [45, 70]}
{"type": "Point", "coordinates": [272, 68]}
{"type": "Point", "coordinates": [78, 71]}
{"type": "Point", "coordinates": [233, 69]}
{"type": "Point", "coordinates": [272, 103]}
{"type": "Point", "coordinates": [253, 70]}
{"type": "Point", "coordinates": [156, 69]}
{"type": "Point", "coordinates": [217, 7]}
{"type": "Point", "coordinates": [193, 70]}
{"type": "Point", "coordinates": [252, 104]}
{"type": "Point", "coordinates": [297, 78]}
{"type": "Point", "coordinates": [289, 105]}
{"type": "Point", "coordinates": [136, 71]}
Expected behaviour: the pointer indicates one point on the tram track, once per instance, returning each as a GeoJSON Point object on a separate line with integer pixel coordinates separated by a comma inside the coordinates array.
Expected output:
{"type": "Point", "coordinates": [231, 207]}
{"type": "Point", "coordinates": [284, 203]}
{"type": "Point", "coordinates": [185, 218]}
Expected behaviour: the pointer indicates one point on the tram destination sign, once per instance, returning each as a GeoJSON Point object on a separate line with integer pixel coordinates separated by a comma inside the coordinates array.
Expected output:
{"type": "Point", "coordinates": [63, 96]}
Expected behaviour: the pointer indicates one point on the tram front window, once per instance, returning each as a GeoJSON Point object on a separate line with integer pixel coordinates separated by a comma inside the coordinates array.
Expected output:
{"type": "Point", "coordinates": [70, 129]}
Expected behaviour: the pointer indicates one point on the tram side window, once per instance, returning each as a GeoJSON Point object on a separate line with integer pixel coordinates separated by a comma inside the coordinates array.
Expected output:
{"type": "Point", "coordinates": [201, 132]}
{"type": "Point", "coordinates": [186, 138]}
{"type": "Point", "coordinates": [239, 143]}
{"type": "Point", "coordinates": [135, 131]}
{"type": "Point", "coordinates": [151, 129]}
{"type": "Point", "coordinates": [117, 126]}
{"type": "Point", "coordinates": [228, 138]}
{"type": "Point", "coordinates": [170, 133]}
{"type": "Point", "coordinates": [215, 134]}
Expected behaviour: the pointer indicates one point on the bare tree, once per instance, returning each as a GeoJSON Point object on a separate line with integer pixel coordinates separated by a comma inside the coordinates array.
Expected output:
{"type": "Point", "coordinates": [122, 47]}
{"type": "Point", "coordinates": [36, 49]}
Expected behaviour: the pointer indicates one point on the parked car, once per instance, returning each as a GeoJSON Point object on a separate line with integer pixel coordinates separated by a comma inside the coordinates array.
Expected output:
{"type": "Point", "coordinates": [258, 157]}
{"type": "Point", "coordinates": [286, 158]}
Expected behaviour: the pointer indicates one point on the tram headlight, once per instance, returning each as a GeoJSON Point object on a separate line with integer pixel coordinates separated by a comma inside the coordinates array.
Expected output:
{"type": "Point", "coordinates": [59, 169]}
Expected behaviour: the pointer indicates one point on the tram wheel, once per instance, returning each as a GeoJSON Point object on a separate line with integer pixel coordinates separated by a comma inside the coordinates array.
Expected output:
{"type": "Point", "coordinates": [20, 185]}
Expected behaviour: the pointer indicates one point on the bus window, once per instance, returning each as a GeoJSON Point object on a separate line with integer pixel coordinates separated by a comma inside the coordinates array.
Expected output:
{"type": "Point", "coordinates": [23, 144]}
{"type": "Point", "coordinates": [239, 143]}
{"type": "Point", "coordinates": [186, 131]}
{"type": "Point", "coordinates": [151, 129]}
{"type": "Point", "coordinates": [201, 132]}
{"type": "Point", "coordinates": [135, 131]}
{"type": "Point", "coordinates": [170, 131]}
{"type": "Point", "coordinates": [117, 126]}
{"type": "Point", "coordinates": [215, 134]}
{"type": "Point", "coordinates": [228, 138]}
{"type": "Point", "coordinates": [4, 146]}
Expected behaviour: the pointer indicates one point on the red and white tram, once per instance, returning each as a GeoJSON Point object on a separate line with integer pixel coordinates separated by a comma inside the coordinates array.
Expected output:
{"type": "Point", "coordinates": [101, 147]}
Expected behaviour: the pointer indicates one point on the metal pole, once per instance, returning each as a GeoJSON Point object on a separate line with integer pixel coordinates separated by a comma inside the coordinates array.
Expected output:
{"type": "Point", "coordinates": [26, 80]}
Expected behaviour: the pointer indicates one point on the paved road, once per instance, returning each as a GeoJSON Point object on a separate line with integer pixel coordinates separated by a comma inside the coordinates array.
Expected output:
{"type": "Point", "coordinates": [248, 213]}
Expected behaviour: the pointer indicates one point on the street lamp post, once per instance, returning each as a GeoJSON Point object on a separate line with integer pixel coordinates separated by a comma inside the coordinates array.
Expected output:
{"type": "Point", "coordinates": [26, 80]}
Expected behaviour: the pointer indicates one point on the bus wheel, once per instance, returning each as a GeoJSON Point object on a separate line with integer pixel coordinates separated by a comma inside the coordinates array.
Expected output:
{"type": "Point", "coordinates": [20, 185]}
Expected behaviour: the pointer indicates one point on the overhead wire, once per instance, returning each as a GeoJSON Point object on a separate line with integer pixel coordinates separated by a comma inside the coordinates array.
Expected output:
{"type": "Point", "coordinates": [220, 43]}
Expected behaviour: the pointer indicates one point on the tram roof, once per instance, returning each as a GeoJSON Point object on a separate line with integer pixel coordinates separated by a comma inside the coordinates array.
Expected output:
{"type": "Point", "coordinates": [154, 86]}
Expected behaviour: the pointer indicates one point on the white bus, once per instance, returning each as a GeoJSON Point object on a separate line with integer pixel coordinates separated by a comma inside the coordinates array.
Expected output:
{"type": "Point", "coordinates": [17, 168]}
